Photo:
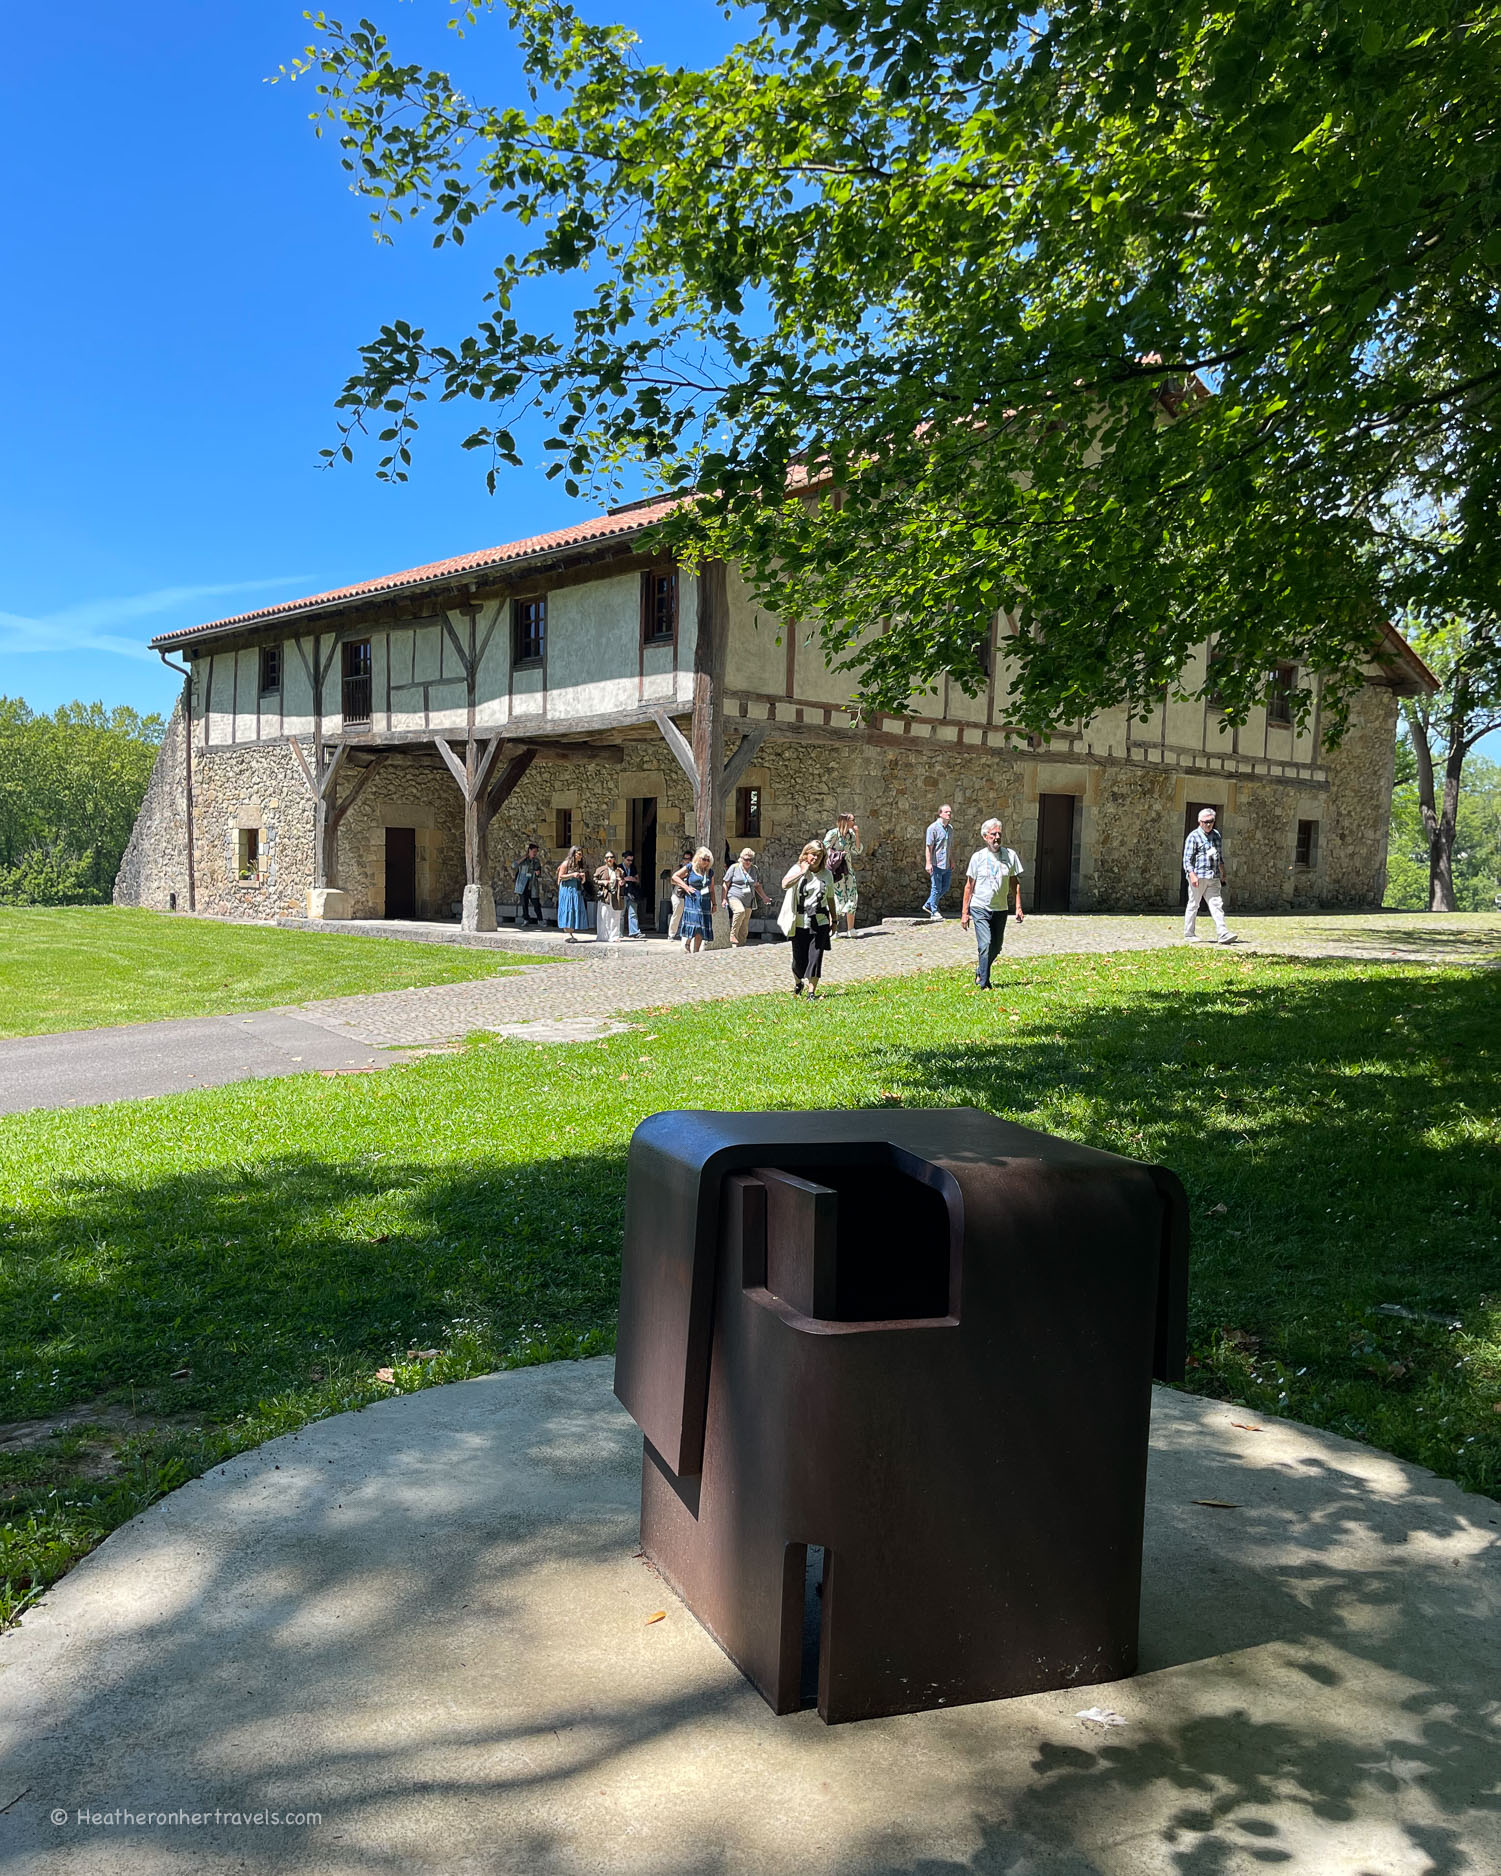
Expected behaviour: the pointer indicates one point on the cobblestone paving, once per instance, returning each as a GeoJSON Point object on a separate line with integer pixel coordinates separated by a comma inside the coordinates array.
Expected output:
{"type": "Point", "coordinates": [603, 981]}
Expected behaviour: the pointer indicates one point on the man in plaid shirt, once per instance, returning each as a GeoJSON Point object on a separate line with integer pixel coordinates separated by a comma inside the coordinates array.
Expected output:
{"type": "Point", "coordinates": [1204, 864]}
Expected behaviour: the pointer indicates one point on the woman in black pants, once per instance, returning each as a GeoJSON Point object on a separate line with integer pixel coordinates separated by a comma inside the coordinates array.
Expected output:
{"type": "Point", "coordinates": [811, 893]}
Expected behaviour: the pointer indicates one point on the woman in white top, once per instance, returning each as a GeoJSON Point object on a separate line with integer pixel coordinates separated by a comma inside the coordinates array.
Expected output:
{"type": "Point", "coordinates": [810, 902]}
{"type": "Point", "coordinates": [985, 898]}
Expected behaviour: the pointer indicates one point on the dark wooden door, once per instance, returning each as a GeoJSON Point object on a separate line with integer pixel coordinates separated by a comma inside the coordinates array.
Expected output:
{"type": "Point", "coordinates": [1190, 822]}
{"type": "Point", "coordinates": [642, 829]}
{"type": "Point", "coordinates": [1055, 853]}
{"type": "Point", "coordinates": [401, 872]}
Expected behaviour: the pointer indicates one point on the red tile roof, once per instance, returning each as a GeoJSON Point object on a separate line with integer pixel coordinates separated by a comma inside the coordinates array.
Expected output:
{"type": "Point", "coordinates": [617, 526]}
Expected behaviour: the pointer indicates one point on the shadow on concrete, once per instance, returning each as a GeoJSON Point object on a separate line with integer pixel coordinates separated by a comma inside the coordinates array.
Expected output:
{"type": "Point", "coordinates": [426, 1623]}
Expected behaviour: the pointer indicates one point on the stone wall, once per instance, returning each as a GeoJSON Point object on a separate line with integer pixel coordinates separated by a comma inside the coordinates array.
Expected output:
{"type": "Point", "coordinates": [1128, 822]}
{"type": "Point", "coordinates": [154, 867]}
{"type": "Point", "coordinates": [1352, 859]}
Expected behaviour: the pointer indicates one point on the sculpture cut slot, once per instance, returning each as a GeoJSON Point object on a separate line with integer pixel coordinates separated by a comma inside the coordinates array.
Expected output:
{"type": "Point", "coordinates": [813, 1618]}
{"type": "Point", "coordinates": [848, 1243]}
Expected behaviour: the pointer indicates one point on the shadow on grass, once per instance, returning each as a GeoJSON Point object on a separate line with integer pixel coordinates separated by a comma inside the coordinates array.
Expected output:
{"type": "Point", "coordinates": [1338, 1140]}
{"type": "Point", "coordinates": [212, 1308]}
{"type": "Point", "coordinates": [241, 1281]}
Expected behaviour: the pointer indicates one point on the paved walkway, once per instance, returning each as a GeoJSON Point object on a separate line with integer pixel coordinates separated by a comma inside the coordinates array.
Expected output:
{"type": "Point", "coordinates": [607, 979]}
{"type": "Point", "coordinates": [425, 1624]}
{"type": "Point", "coordinates": [83, 1067]}
{"type": "Point", "coordinates": [600, 982]}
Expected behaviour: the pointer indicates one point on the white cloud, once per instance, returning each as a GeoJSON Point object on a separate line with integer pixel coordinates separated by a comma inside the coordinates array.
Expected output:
{"type": "Point", "coordinates": [87, 626]}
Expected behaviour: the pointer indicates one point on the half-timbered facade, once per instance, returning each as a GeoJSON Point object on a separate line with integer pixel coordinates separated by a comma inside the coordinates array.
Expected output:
{"type": "Point", "coordinates": [386, 750]}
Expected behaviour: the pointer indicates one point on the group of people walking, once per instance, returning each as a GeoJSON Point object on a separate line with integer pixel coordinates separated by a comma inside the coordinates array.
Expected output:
{"type": "Point", "coordinates": [821, 888]}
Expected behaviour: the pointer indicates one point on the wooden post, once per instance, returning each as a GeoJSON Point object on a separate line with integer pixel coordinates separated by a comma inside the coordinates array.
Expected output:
{"type": "Point", "coordinates": [320, 778]}
{"type": "Point", "coordinates": [472, 776]}
{"type": "Point", "coordinates": [708, 704]}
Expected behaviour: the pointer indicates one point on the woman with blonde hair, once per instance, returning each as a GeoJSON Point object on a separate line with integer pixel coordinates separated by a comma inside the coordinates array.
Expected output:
{"type": "Point", "coordinates": [573, 914]}
{"type": "Point", "coordinates": [696, 881]}
{"type": "Point", "coordinates": [808, 916]}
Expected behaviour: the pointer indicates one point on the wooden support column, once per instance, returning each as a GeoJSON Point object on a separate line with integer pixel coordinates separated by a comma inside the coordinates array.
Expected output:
{"type": "Point", "coordinates": [473, 776]}
{"type": "Point", "coordinates": [708, 704]}
{"type": "Point", "coordinates": [319, 778]}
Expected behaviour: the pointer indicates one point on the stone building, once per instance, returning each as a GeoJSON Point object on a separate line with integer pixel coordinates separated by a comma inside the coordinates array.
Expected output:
{"type": "Point", "coordinates": [386, 750]}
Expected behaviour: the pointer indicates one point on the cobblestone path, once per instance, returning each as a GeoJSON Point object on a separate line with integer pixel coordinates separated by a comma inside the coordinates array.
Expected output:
{"type": "Point", "coordinates": [601, 981]}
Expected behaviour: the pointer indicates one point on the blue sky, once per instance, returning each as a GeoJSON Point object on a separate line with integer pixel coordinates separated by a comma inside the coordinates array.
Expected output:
{"type": "Point", "coordinates": [187, 282]}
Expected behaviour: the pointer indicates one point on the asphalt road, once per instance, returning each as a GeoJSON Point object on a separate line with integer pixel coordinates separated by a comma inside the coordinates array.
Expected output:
{"type": "Point", "coordinates": [82, 1067]}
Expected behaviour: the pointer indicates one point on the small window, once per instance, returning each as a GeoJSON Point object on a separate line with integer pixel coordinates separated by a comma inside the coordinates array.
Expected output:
{"type": "Point", "coordinates": [1282, 681]}
{"type": "Point", "coordinates": [249, 853]}
{"type": "Point", "coordinates": [659, 607]}
{"type": "Point", "coordinates": [270, 669]}
{"type": "Point", "coordinates": [355, 703]}
{"type": "Point", "coordinates": [563, 828]}
{"type": "Point", "coordinates": [1306, 854]}
{"type": "Point", "coordinates": [747, 814]}
{"type": "Point", "coordinates": [528, 630]}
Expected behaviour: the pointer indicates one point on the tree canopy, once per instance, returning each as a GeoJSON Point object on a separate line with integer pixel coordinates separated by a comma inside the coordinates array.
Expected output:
{"type": "Point", "coordinates": [1130, 318]}
{"type": "Point", "coordinates": [71, 785]}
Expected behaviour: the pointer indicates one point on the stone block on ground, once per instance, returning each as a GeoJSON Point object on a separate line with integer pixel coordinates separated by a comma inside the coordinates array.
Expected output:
{"type": "Point", "coordinates": [479, 909]}
{"type": "Point", "coordinates": [327, 902]}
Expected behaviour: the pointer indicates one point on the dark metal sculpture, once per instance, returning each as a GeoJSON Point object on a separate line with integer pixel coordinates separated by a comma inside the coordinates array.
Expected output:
{"type": "Point", "coordinates": [893, 1371]}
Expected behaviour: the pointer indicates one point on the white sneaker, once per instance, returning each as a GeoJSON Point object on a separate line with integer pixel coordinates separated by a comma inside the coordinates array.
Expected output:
{"type": "Point", "coordinates": [1229, 938]}
{"type": "Point", "coordinates": [937, 918]}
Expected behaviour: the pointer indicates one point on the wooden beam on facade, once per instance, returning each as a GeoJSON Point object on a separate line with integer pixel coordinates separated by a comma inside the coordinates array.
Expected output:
{"type": "Point", "coordinates": [341, 808]}
{"type": "Point", "coordinates": [506, 783]}
{"type": "Point", "coordinates": [681, 748]}
{"type": "Point", "coordinates": [744, 756]}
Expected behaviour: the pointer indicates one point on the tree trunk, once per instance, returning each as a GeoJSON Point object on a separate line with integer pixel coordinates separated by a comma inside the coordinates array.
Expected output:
{"type": "Point", "coordinates": [1440, 837]}
{"type": "Point", "coordinates": [1441, 842]}
{"type": "Point", "coordinates": [708, 704]}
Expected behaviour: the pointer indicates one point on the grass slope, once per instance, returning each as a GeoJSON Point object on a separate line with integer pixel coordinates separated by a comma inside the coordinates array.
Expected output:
{"type": "Point", "coordinates": [81, 967]}
{"type": "Point", "coordinates": [223, 1266]}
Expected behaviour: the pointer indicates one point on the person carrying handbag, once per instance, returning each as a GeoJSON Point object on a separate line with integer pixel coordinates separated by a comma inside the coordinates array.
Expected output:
{"type": "Point", "coordinates": [807, 916]}
{"type": "Point", "coordinates": [840, 843]}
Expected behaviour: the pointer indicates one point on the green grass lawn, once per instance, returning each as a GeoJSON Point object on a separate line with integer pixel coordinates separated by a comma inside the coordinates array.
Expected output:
{"type": "Point", "coordinates": [81, 967]}
{"type": "Point", "coordinates": [198, 1273]}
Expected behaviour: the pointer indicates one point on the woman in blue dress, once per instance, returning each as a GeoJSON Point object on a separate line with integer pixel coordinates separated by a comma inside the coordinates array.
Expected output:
{"type": "Point", "coordinates": [573, 914]}
{"type": "Point", "coordinates": [696, 883]}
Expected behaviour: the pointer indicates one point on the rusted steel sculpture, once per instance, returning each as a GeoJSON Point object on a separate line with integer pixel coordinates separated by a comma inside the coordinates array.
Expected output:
{"type": "Point", "coordinates": [915, 1349]}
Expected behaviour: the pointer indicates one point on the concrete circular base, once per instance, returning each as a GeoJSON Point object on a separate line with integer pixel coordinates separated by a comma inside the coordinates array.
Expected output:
{"type": "Point", "coordinates": [426, 1625]}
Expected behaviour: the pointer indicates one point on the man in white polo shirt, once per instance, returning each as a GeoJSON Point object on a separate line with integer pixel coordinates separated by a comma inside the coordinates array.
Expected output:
{"type": "Point", "coordinates": [985, 898]}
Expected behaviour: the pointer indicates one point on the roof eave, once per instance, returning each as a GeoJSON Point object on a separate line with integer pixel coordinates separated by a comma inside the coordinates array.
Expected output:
{"type": "Point", "coordinates": [273, 616]}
